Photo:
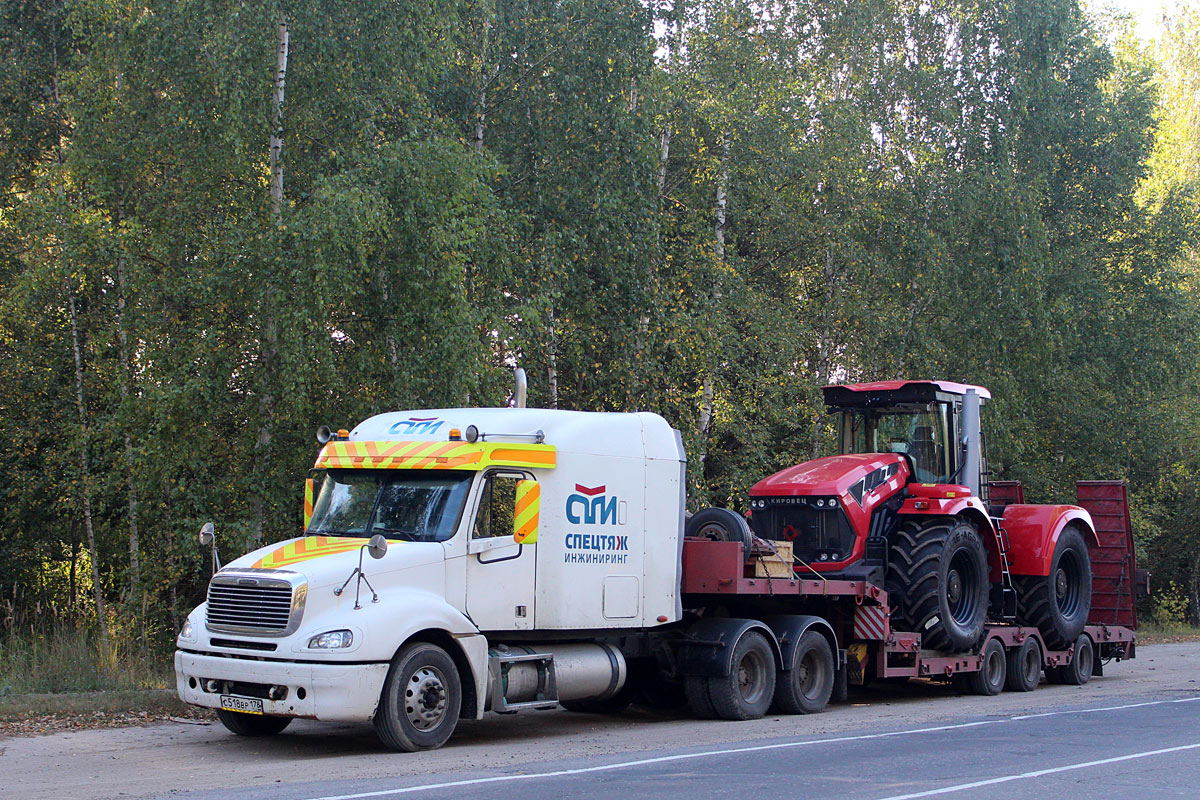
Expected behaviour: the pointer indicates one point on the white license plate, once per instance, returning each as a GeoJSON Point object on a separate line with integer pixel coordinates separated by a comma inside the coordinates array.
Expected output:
{"type": "Point", "coordinates": [246, 705]}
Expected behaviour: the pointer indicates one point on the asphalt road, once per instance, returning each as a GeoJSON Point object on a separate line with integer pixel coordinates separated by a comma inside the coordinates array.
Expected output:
{"type": "Point", "coordinates": [1134, 731]}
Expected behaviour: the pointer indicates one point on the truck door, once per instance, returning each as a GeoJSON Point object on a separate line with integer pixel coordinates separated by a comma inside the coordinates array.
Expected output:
{"type": "Point", "coordinates": [500, 572]}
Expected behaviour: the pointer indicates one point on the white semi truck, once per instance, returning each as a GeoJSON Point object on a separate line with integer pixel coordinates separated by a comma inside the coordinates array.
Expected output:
{"type": "Point", "coordinates": [456, 561]}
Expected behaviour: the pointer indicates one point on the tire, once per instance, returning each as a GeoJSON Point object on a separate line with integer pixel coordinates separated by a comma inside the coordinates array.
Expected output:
{"type": "Point", "coordinates": [1079, 671]}
{"type": "Point", "coordinates": [421, 699]}
{"type": "Point", "coordinates": [695, 688]}
{"type": "Point", "coordinates": [252, 724]}
{"type": "Point", "coordinates": [993, 669]}
{"type": "Point", "coordinates": [806, 685]}
{"type": "Point", "coordinates": [938, 573]}
{"type": "Point", "coordinates": [1024, 666]}
{"type": "Point", "coordinates": [1058, 604]}
{"type": "Point", "coordinates": [747, 691]}
{"type": "Point", "coordinates": [720, 525]}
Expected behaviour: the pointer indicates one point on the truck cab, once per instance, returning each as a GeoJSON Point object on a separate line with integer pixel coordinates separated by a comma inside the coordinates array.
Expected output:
{"type": "Point", "coordinates": [478, 525]}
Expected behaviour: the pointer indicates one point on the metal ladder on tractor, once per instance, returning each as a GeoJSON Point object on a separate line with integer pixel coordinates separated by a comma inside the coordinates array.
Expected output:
{"type": "Point", "coordinates": [1004, 493]}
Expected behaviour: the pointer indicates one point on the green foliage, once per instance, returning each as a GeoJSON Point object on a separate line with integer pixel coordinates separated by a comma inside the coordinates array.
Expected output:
{"type": "Point", "coordinates": [992, 192]}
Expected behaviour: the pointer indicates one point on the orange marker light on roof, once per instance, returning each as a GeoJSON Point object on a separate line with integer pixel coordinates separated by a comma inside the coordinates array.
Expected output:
{"type": "Point", "coordinates": [343, 433]}
{"type": "Point", "coordinates": [455, 435]}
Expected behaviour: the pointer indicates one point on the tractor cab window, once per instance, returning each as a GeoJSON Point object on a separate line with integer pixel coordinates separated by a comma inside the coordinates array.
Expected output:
{"type": "Point", "coordinates": [920, 432]}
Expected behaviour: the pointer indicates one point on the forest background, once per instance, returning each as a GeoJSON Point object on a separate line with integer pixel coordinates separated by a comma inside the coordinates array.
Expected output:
{"type": "Point", "coordinates": [224, 223]}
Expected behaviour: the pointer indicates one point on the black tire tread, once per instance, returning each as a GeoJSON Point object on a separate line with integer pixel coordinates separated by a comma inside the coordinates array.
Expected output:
{"type": "Point", "coordinates": [391, 730]}
{"type": "Point", "coordinates": [792, 702]}
{"type": "Point", "coordinates": [913, 565]}
{"type": "Point", "coordinates": [252, 724]}
{"type": "Point", "coordinates": [723, 692]}
{"type": "Point", "coordinates": [1034, 606]}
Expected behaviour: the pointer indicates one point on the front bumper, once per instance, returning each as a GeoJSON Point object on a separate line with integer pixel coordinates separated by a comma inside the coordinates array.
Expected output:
{"type": "Point", "coordinates": [332, 692]}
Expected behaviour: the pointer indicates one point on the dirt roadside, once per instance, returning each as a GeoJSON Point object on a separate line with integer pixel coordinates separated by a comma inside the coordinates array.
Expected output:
{"type": "Point", "coordinates": [179, 756]}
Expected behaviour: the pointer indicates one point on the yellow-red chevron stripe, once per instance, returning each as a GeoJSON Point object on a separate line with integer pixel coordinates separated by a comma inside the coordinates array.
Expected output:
{"type": "Point", "coordinates": [306, 549]}
{"type": "Point", "coordinates": [435, 455]}
{"type": "Point", "coordinates": [525, 515]}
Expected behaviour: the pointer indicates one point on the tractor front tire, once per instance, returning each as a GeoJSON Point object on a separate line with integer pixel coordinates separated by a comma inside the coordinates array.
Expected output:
{"type": "Point", "coordinates": [1058, 604]}
{"type": "Point", "coordinates": [938, 574]}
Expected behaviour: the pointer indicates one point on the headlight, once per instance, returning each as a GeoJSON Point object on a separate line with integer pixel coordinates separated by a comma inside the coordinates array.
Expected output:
{"type": "Point", "coordinates": [332, 640]}
{"type": "Point", "coordinates": [187, 633]}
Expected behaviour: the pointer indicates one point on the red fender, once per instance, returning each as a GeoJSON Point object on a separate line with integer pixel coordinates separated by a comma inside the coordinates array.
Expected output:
{"type": "Point", "coordinates": [1033, 532]}
{"type": "Point", "coordinates": [927, 504]}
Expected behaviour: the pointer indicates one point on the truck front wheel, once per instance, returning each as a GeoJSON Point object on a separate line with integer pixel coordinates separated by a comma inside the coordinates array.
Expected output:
{"type": "Point", "coordinates": [252, 724]}
{"type": "Point", "coordinates": [421, 699]}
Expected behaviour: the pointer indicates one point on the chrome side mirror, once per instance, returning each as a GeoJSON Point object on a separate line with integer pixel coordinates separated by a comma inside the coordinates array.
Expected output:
{"type": "Point", "coordinates": [377, 546]}
{"type": "Point", "coordinates": [208, 538]}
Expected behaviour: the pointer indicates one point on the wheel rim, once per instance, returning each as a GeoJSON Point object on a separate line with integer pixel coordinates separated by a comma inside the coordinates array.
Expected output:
{"type": "Point", "coordinates": [995, 662]}
{"type": "Point", "coordinates": [962, 588]}
{"type": "Point", "coordinates": [1083, 661]}
{"type": "Point", "coordinates": [752, 677]}
{"type": "Point", "coordinates": [1032, 664]}
{"type": "Point", "coordinates": [810, 675]}
{"type": "Point", "coordinates": [426, 698]}
{"type": "Point", "coordinates": [1068, 579]}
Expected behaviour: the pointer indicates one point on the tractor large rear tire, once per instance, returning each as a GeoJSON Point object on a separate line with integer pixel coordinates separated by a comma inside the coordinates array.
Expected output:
{"type": "Point", "coordinates": [1058, 604]}
{"type": "Point", "coordinates": [938, 578]}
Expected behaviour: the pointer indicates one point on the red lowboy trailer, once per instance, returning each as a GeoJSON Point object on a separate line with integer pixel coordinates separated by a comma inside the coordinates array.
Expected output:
{"type": "Point", "coordinates": [908, 563]}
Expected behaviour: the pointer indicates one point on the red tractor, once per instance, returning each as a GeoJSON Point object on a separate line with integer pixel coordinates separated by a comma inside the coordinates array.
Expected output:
{"type": "Point", "coordinates": [906, 506]}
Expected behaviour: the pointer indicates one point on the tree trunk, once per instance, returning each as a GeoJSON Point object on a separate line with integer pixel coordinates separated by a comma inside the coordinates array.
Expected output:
{"type": "Point", "coordinates": [270, 343]}
{"type": "Point", "coordinates": [102, 616]}
{"type": "Point", "coordinates": [281, 57]}
{"type": "Point", "coordinates": [708, 392]}
{"type": "Point", "coordinates": [552, 364]}
{"type": "Point", "coordinates": [126, 378]}
{"type": "Point", "coordinates": [1194, 591]}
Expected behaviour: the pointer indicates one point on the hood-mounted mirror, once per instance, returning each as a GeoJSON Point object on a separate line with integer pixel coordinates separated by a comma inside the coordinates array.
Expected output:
{"type": "Point", "coordinates": [208, 538]}
{"type": "Point", "coordinates": [377, 546]}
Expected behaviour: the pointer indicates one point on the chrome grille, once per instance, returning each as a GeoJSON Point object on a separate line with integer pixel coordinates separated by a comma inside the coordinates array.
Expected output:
{"type": "Point", "coordinates": [247, 603]}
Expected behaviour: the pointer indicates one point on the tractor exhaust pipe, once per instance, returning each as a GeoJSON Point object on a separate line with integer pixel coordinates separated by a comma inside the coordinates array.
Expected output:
{"type": "Point", "coordinates": [973, 443]}
{"type": "Point", "coordinates": [522, 388]}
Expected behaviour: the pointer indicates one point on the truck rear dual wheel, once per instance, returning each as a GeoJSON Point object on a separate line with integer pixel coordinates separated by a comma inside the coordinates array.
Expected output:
{"type": "Point", "coordinates": [1058, 604]}
{"type": "Point", "coordinates": [938, 576]}
{"type": "Point", "coordinates": [252, 724]}
{"type": "Point", "coordinates": [746, 692]}
{"type": "Point", "coordinates": [805, 686]}
{"type": "Point", "coordinates": [421, 699]}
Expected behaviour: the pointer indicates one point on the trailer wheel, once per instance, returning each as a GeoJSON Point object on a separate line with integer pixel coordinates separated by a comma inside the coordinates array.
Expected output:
{"type": "Point", "coordinates": [805, 686]}
{"type": "Point", "coordinates": [993, 669]}
{"type": "Point", "coordinates": [938, 570]}
{"type": "Point", "coordinates": [252, 724]}
{"type": "Point", "coordinates": [720, 525]}
{"type": "Point", "coordinates": [1058, 604]}
{"type": "Point", "coordinates": [747, 691]}
{"type": "Point", "coordinates": [421, 699]}
{"type": "Point", "coordinates": [1079, 671]}
{"type": "Point", "coordinates": [1024, 666]}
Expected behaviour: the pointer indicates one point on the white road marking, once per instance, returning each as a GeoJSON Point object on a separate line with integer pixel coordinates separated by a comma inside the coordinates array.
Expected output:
{"type": "Point", "coordinates": [1040, 772]}
{"type": "Point", "coordinates": [789, 745]}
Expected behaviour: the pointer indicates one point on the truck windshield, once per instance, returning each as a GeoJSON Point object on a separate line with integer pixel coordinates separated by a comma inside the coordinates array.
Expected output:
{"type": "Point", "coordinates": [400, 504]}
{"type": "Point", "coordinates": [921, 434]}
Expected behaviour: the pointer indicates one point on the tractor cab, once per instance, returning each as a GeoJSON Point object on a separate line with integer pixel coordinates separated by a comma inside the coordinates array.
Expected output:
{"type": "Point", "coordinates": [933, 424]}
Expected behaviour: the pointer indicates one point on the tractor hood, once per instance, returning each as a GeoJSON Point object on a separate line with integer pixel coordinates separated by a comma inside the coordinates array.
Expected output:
{"type": "Point", "coordinates": [327, 560]}
{"type": "Point", "coordinates": [834, 475]}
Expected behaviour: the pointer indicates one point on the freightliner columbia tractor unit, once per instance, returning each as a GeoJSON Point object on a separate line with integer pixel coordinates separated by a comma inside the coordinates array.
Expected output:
{"type": "Point", "coordinates": [457, 561]}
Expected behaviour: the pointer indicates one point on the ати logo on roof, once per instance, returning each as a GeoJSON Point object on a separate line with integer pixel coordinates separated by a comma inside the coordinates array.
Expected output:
{"type": "Point", "coordinates": [590, 506]}
{"type": "Point", "coordinates": [414, 425]}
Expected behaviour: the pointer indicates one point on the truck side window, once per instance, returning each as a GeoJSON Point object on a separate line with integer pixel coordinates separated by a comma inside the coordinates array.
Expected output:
{"type": "Point", "coordinates": [496, 508]}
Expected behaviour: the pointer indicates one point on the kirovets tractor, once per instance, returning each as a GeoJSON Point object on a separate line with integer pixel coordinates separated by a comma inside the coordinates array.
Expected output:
{"type": "Point", "coordinates": [906, 506]}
